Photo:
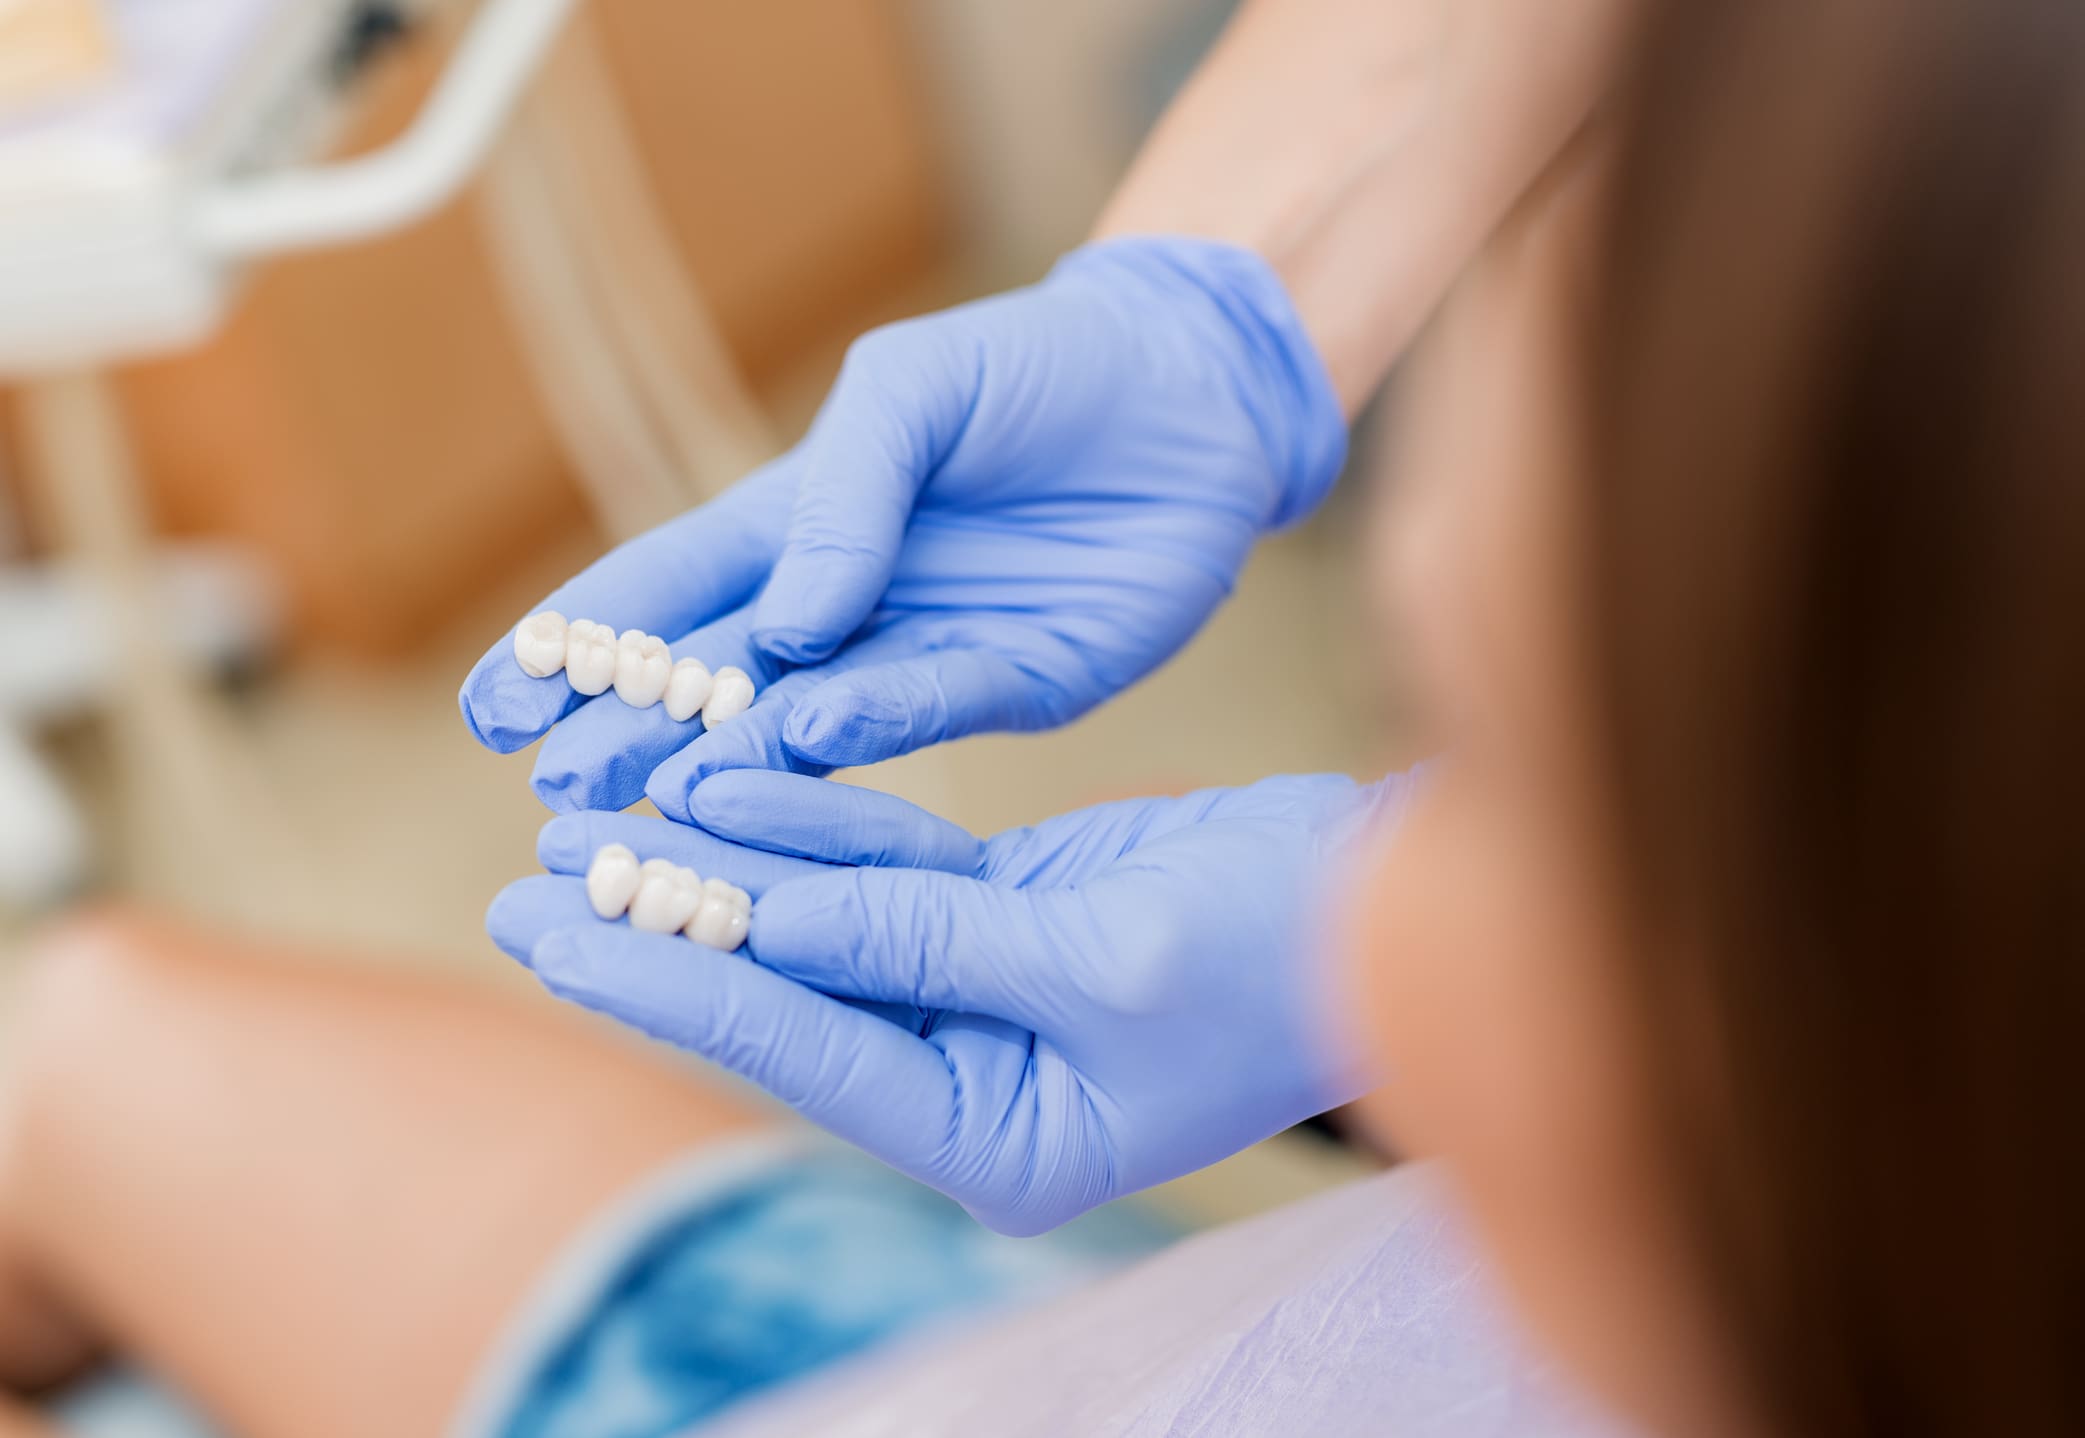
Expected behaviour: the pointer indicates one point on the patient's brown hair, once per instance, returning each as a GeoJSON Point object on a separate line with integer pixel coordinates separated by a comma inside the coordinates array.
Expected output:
{"type": "Point", "coordinates": [1835, 393]}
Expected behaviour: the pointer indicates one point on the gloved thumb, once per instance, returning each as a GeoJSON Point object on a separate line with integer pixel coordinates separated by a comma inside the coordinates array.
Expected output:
{"type": "Point", "coordinates": [867, 1080]}
{"type": "Point", "coordinates": [897, 409]}
{"type": "Point", "coordinates": [831, 823]}
{"type": "Point", "coordinates": [934, 940]}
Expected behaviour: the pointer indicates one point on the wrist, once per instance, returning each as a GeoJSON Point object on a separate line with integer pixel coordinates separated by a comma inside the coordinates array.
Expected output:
{"type": "Point", "coordinates": [1244, 311]}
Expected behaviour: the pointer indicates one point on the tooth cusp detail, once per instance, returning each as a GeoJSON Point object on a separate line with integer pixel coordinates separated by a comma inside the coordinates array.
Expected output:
{"type": "Point", "coordinates": [688, 689]}
{"type": "Point", "coordinates": [731, 694]}
{"type": "Point", "coordinates": [612, 880]}
{"type": "Point", "coordinates": [590, 656]}
{"type": "Point", "coordinates": [724, 918]}
{"type": "Point", "coordinates": [667, 898]}
{"type": "Point", "coordinates": [642, 667]}
{"type": "Point", "coordinates": [539, 644]}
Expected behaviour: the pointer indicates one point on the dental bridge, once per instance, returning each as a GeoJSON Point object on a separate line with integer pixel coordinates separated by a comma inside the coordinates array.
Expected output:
{"type": "Point", "coordinates": [662, 897]}
{"type": "Point", "coordinates": [129, 214]}
{"type": "Point", "coordinates": [638, 666]}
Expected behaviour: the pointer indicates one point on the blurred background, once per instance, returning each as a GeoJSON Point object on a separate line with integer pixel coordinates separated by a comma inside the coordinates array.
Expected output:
{"type": "Point", "coordinates": [250, 542]}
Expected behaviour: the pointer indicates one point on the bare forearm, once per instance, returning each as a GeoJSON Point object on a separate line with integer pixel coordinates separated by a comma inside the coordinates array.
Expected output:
{"type": "Point", "coordinates": [1367, 147]}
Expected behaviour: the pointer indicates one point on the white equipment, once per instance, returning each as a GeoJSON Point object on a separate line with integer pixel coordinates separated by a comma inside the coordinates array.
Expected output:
{"type": "Point", "coordinates": [126, 213]}
{"type": "Point", "coordinates": [126, 216]}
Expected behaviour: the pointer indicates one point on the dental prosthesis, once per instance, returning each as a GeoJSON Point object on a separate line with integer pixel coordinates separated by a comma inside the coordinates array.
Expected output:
{"type": "Point", "coordinates": [661, 897]}
{"type": "Point", "coordinates": [636, 665]}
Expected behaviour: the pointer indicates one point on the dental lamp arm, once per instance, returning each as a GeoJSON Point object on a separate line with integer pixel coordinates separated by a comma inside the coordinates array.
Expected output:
{"type": "Point", "coordinates": [354, 199]}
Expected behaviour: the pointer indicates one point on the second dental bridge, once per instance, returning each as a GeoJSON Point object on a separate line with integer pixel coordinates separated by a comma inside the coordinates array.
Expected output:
{"type": "Point", "coordinates": [662, 897]}
{"type": "Point", "coordinates": [638, 666]}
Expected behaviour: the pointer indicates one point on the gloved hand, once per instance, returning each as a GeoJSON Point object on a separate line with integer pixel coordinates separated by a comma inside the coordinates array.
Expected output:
{"type": "Point", "coordinates": [1112, 998]}
{"type": "Point", "coordinates": [1004, 514]}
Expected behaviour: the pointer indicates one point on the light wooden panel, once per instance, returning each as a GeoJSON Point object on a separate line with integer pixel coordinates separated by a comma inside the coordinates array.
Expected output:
{"type": "Point", "coordinates": [793, 152]}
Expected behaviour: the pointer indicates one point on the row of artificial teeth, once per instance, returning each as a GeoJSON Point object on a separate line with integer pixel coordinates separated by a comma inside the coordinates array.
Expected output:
{"type": "Point", "coordinates": [661, 897]}
{"type": "Point", "coordinates": [636, 665]}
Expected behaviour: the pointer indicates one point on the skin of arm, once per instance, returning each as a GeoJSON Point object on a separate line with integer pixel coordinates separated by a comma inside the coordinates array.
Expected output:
{"type": "Point", "coordinates": [18, 1422]}
{"type": "Point", "coordinates": [1366, 149]}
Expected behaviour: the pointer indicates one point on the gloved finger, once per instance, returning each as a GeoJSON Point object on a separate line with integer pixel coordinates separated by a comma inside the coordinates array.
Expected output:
{"type": "Point", "coordinates": [751, 741]}
{"type": "Point", "coordinates": [936, 941]}
{"type": "Point", "coordinates": [754, 739]}
{"type": "Point", "coordinates": [834, 823]}
{"type": "Point", "coordinates": [569, 842]}
{"type": "Point", "coordinates": [871, 713]}
{"type": "Point", "coordinates": [527, 909]}
{"type": "Point", "coordinates": [603, 754]}
{"type": "Point", "coordinates": [668, 581]}
{"type": "Point", "coordinates": [870, 1082]}
{"type": "Point", "coordinates": [897, 408]}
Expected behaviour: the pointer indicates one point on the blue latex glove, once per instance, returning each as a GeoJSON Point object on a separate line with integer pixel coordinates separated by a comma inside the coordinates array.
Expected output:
{"type": "Point", "coordinates": [1113, 998]}
{"type": "Point", "coordinates": [1004, 514]}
